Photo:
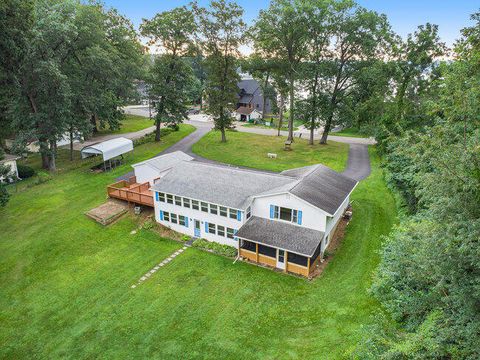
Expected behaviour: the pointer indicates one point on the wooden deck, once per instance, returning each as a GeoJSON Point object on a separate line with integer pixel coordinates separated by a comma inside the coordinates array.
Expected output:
{"type": "Point", "coordinates": [131, 191]}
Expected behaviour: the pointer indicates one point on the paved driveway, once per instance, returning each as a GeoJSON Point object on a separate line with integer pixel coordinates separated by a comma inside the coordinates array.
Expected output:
{"type": "Point", "coordinates": [358, 165]}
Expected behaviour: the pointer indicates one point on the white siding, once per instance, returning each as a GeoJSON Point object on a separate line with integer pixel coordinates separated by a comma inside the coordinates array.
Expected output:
{"type": "Point", "coordinates": [312, 217]}
{"type": "Point", "coordinates": [192, 214]}
{"type": "Point", "coordinates": [332, 221]}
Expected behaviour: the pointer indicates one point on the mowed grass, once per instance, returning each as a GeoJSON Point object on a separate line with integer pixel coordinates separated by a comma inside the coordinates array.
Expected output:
{"type": "Point", "coordinates": [66, 284]}
{"type": "Point", "coordinates": [246, 149]}
{"type": "Point", "coordinates": [349, 132]}
{"type": "Point", "coordinates": [130, 123]}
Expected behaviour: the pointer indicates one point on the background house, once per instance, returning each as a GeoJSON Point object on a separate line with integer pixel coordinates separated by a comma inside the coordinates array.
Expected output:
{"type": "Point", "coordinates": [250, 100]}
{"type": "Point", "coordinates": [11, 162]}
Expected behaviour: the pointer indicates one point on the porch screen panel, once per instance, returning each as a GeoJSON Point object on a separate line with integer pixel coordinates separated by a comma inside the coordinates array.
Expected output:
{"type": "Point", "coordinates": [248, 245]}
{"type": "Point", "coordinates": [297, 259]}
{"type": "Point", "coordinates": [267, 250]}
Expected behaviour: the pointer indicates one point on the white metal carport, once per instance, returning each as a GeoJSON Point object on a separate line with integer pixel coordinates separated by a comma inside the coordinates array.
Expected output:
{"type": "Point", "coordinates": [108, 149]}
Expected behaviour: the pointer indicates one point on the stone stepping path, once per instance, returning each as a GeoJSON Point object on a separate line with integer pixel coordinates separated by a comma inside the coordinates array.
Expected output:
{"type": "Point", "coordinates": [147, 275]}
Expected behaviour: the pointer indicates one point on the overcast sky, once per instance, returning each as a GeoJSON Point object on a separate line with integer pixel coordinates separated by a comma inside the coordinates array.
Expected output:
{"type": "Point", "coordinates": [404, 15]}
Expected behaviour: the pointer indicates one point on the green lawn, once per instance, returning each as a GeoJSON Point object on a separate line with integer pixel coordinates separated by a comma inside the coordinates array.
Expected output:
{"type": "Point", "coordinates": [349, 132]}
{"type": "Point", "coordinates": [66, 284]}
{"type": "Point", "coordinates": [131, 123]}
{"type": "Point", "coordinates": [245, 149]}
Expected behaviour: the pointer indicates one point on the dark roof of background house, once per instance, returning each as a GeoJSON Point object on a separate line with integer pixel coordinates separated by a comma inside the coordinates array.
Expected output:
{"type": "Point", "coordinates": [279, 234]}
{"type": "Point", "coordinates": [244, 110]}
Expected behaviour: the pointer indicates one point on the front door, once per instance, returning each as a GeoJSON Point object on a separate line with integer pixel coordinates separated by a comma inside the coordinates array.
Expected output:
{"type": "Point", "coordinates": [197, 228]}
{"type": "Point", "coordinates": [281, 259]}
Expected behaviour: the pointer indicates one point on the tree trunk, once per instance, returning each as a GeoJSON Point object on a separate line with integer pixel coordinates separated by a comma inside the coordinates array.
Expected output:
{"type": "Point", "coordinates": [314, 109]}
{"type": "Point", "coordinates": [71, 144]}
{"type": "Point", "coordinates": [93, 121]}
{"type": "Point", "coordinates": [224, 138]}
{"type": "Point", "coordinates": [157, 129]}
{"type": "Point", "coordinates": [264, 97]}
{"type": "Point", "coordinates": [52, 153]}
{"type": "Point", "coordinates": [280, 113]}
{"type": "Point", "coordinates": [326, 130]}
{"type": "Point", "coordinates": [290, 119]}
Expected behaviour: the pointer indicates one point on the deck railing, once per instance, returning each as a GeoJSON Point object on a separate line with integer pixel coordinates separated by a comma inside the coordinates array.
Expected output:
{"type": "Point", "coordinates": [131, 192]}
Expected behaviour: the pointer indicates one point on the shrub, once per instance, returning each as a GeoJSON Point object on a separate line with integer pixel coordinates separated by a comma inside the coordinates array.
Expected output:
{"type": "Point", "coordinates": [148, 224]}
{"type": "Point", "coordinates": [43, 177]}
{"type": "Point", "coordinates": [185, 238]}
{"type": "Point", "coordinates": [151, 137]}
{"type": "Point", "coordinates": [219, 249]}
{"type": "Point", "coordinates": [25, 172]}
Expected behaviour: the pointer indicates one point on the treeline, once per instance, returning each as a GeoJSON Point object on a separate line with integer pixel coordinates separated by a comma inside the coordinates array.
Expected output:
{"type": "Point", "coordinates": [66, 67]}
{"type": "Point", "coordinates": [429, 276]}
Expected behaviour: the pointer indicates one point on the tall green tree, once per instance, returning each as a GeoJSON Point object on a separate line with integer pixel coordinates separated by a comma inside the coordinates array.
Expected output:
{"type": "Point", "coordinates": [359, 37]}
{"type": "Point", "coordinates": [433, 292]}
{"type": "Point", "coordinates": [281, 30]}
{"type": "Point", "coordinates": [171, 77]}
{"type": "Point", "coordinates": [221, 33]}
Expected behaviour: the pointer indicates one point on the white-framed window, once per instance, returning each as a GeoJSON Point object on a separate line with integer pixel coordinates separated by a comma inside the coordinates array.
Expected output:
{"type": "Point", "coordinates": [286, 214]}
{"type": "Point", "coordinates": [249, 212]}
{"type": "Point", "coordinates": [232, 213]}
{"type": "Point", "coordinates": [276, 212]}
{"type": "Point", "coordinates": [195, 205]}
{"type": "Point", "coordinates": [230, 233]}
{"type": "Point", "coordinates": [295, 216]}
{"type": "Point", "coordinates": [213, 209]}
{"type": "Point", "coordinates": [223, 211]}
{"type": "Point", "coordinates": [211, 228]}
{"type": "Point", "coordinates": [204, 206]}
{"type": "Point", "coordinates": [166, 216]}
{"type": "Point", "coordinates": [178, 201]}
{"type": "Point", "coordinates": [169, 199]}
{"type": "Point", "coordinates": [173, 218]}
{"type": "Point", "coordinates": [181, 220]}
{"type": "Point", "coordinates": [161, 197]}
{"type": "Point", "coordinates": [220, 230]}
{"type": "Point", "coordinates": [186, 202]}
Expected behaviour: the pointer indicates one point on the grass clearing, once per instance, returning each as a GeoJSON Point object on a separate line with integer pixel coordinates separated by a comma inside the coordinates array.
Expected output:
{"type": "Point", "coordinates": [349, 132]}
{"type": "Point", "coordinates": [66, 283]}
{"type": "Point", "coordinates": [130, 123]}
{"type": "Point", "coordinates": [246, 149]}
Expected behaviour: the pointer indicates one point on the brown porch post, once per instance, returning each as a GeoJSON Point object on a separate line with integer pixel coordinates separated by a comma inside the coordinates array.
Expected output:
{"type": "Point", "coordinates": [256, 252]}
{"type": "Point", "coordinates": [239, 240]}
{"type": "Point", "coordinates": [308, 266]}
{"type": "Point", "coordinates": [286, 261]}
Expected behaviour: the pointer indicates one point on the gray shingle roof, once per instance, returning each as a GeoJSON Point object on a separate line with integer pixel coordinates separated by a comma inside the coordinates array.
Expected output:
{"type": "Point", "coordinates": [278, 234]}
{"type": "Point", "coordinates": [166, 161]}
{"type": "Point", "coordinates": [322, 187]}
{"type": "Point", "coordinates": [228, 186]}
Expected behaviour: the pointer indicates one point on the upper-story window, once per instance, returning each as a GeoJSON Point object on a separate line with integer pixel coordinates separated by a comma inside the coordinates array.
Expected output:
{"type": "Point", "coordinates": [169, 199]}
{"type": "Point", "coordinates": [287, 214]}
{"type": "Point", "coordinates": [186, 202]}
{"type": "Point", "coordinates": [195, 205]}
{"type": "Point", "coordinates": [232, 213]}
{"type": "Point", "coordinates": [204, 206]}
{"type": "Point", "coordinates": [223, 211]}
{"type": "Point", "coordinates": [178, 201]}
{"type": "Point", "coordinates": [249, 212]}
{"type": "Point", "coordinates": [161, 197]}
{"type": "Point", "coordinates": [213, 209]}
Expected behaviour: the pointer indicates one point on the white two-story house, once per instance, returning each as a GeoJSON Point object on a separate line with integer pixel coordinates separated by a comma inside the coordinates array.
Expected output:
{"type": "Point", "coordinates": [282, 220]}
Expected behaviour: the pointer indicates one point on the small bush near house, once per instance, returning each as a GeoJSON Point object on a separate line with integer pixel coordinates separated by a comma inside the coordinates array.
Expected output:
{"type": "Point", "coordinates": [25, 171]}
{"type": "Point", "coordinates": [148, 224]}
{"type": "Point", "coordinates": [219, 249]}
{"type": "Point", "coordinates": [185, 238]}
{"type": "Point", "coordinates": [43, 177]}
{"type": "Point", "coordinates": [151, 137]}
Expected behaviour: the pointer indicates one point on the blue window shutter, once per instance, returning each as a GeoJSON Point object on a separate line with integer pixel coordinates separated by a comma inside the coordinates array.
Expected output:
{"type": "Point", "coordinates": [206, 227]}
{"type": "Point", "coordinates": [239, 215]}
{"type": "Point", "coordinates": [161, 212]}
{"type": "Point", "coordinates": [235, 233]}
{"type": "Point", "coordinates": [272, 210]}
{"type": "Point", "coordinates": [156, 196]}
{"type": "Point", "coordinates": [186, 221]}
{"type": "Point", "coordinates": [299, 217]}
